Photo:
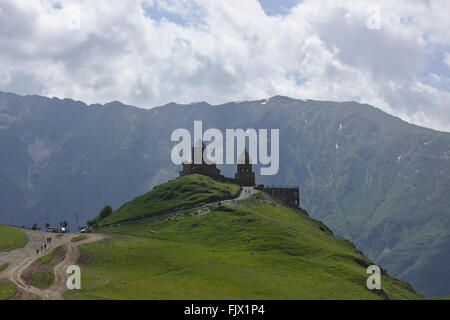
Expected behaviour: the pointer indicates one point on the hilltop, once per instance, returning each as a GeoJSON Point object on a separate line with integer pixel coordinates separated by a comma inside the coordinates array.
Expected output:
{"type": "Point", "coordinates": [254, 248]}
{"type": "Point", "coordinates": [185, 191]}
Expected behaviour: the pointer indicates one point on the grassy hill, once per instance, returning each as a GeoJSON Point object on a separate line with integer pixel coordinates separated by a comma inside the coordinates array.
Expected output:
{"type": "Point", "coordinates": [183, 191]}
{"type": "Point", "coordinates": [254, 250]}
{"type": "Point", "coordinates": [12, 238]}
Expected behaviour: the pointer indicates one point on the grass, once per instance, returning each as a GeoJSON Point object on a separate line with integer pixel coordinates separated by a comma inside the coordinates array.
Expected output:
{"type": "Point", "coordinates": [3, 266]}
{"type": "Point", "coordinates": [182, 191]}
{"type": "Point", "coordinates": [47, 258]}
{"type": "Point", "coordinates": [42, 275]}
{"type": "Point", "coordinates": [254, 251]}
{"type": "Point", "coordinates": [43, 280]}
{"type": "Point", "coordinates": [78, 238]}
{"type": "Point", "coordinates": [12, 238]}
{"type": "Point", "coordinates": [7, 290]}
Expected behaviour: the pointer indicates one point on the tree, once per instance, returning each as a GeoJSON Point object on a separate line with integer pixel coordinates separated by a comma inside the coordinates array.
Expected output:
{"type": "Point", "coordinates": [91, 222]}
{"type": "Point", "coordinates": [35, 226]}
{"type": "Point", "coordinates": [47, 225]}
{"type": "Point", "coordinates": [63, 224]}
{"type": "Point", "coordinates": [106, 211]}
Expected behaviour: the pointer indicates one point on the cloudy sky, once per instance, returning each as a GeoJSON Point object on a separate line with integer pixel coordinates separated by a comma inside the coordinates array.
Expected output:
{"type": "Point", "coordinates": [392, 54]}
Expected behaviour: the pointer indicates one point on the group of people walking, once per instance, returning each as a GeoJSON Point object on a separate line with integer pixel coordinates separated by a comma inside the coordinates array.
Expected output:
{"type": "Point", "coordinates": [49, 241]}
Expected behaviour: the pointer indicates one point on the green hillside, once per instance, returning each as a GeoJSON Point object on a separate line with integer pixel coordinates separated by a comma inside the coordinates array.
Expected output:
{"type": "Point", "coordinates": [254, 250]}
{"type": "Point", "coordinates": [12, 238]}
{"type": "Point", "coordinates": [183, 191]}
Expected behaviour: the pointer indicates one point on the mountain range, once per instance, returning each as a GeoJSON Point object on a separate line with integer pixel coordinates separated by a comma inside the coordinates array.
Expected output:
{"type": "Point", "coordinates": [372, 178]}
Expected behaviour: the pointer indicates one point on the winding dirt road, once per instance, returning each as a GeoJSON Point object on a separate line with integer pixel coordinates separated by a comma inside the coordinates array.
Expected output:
{"type": "Point", "coordinates": [20, 259]}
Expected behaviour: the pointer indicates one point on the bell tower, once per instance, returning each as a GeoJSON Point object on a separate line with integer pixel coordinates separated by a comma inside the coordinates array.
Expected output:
{"type": "Point", "coordinates": [245, 176]}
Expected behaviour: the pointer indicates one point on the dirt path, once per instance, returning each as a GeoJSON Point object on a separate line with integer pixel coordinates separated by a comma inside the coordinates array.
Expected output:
{"type": "Point", "coordinates": [246, 192]}
{"type": "Point", "coordinates": [20, 259]}
{"type": "Point", "coordinates": [73, 253]}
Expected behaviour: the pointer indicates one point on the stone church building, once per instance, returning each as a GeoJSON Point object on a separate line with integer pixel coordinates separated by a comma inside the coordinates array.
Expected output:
{"type": "Point", "coordinates": [244, 177]}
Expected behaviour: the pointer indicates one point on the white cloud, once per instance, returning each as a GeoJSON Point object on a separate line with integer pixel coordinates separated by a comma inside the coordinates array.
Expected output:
{"type": "Point", "coordinates": [447, 59]}
{"type": "Point", "coordinates": [230, 50]}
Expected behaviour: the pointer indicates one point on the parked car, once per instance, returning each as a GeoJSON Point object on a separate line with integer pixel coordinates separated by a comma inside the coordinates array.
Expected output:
{"type": "Point", "coordinates": [86, 230]}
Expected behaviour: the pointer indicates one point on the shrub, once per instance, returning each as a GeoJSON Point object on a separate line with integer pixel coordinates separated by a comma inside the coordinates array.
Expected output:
{"type": "Point", "coordinates": [106, 211]}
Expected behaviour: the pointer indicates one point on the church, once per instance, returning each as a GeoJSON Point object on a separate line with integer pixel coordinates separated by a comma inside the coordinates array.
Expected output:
{"type": "Point", "coordinates": [244, 176]}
